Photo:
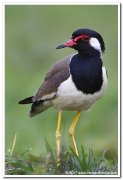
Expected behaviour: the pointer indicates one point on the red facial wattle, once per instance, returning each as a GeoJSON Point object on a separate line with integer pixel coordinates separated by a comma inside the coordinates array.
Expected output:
{"type": "Point", "coordinates": [84, 37]}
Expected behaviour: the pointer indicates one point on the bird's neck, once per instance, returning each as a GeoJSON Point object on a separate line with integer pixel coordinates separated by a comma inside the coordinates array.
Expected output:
{"type": "Point", "coordinates": [87, 54]}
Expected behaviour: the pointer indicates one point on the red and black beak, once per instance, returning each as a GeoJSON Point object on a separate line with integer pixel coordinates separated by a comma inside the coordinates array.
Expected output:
{"type": "Point", "coordinates": [69, 43]}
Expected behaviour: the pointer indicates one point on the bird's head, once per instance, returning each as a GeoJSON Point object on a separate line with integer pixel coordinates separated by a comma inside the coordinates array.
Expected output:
{"type": "Point", "coordinates": [85, 41]}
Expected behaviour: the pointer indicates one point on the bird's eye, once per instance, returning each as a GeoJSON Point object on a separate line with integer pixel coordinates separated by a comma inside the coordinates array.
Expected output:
{"type": "Point", "coordinates": [85, 37]}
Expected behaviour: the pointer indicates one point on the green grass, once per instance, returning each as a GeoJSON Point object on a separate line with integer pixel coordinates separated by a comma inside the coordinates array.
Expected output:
{"type": "Point", "coordinates": [86, 163]}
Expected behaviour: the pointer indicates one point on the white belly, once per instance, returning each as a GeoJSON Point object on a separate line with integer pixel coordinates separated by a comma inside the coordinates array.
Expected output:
{"type": "Point", "coordinates": [71, 99]}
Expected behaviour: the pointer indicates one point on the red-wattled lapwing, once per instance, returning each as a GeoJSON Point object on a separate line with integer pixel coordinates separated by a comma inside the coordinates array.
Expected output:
{"type": "Point", "coordinates": [74, 83]}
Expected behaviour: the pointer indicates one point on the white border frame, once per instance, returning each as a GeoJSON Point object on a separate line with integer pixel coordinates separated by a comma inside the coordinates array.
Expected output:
{"type": "Point", "coordinates": [2, 71]}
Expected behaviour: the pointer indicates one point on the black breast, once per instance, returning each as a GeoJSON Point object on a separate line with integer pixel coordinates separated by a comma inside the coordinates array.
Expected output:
{"type": "Point", "coordinates": [86, 73]}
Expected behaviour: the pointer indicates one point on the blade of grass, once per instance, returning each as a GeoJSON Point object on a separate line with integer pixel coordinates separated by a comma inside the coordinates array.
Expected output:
{"type": "Point", "coordinates": [13, 144]}
{"type": "Point", "coordinates": [77, 157]}
{"type": "Point", "coordinates": [48, 148]}
{"type": "Point", "coordinates": [84, 157]}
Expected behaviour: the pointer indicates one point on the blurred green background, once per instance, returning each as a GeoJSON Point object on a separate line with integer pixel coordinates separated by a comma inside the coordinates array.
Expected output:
{"type": "Point", "coordinates": [32, 33]}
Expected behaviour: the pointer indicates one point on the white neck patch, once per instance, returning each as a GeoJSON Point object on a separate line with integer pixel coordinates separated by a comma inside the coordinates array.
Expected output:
{"type": "Point", "coordinates": [95, 44]}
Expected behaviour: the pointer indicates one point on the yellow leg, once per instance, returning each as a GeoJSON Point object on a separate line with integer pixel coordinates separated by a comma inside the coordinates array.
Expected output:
{"type": "Point", "coordinates": [71, 131]}
{"type": "Point", "coordinates": [58, 135]}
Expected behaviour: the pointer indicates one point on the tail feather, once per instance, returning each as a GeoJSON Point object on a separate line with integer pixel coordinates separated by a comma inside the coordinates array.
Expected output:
{"type": "Point", "coordinates": [39, 106]}
{"type": "Point", "coordinates": [26, 100]}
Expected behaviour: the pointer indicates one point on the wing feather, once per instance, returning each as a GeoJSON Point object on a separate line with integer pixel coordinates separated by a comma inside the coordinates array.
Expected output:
{"type": "Point", "coordinates": [55, 76]}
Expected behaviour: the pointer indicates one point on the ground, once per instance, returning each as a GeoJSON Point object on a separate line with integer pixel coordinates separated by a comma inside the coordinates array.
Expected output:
{"type": "Point", "coordinates": [70, 164]}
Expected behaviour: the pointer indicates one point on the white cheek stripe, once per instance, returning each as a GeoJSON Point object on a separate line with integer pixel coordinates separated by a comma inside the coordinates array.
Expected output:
{"type": "Point", "coordinates": [95, 44]}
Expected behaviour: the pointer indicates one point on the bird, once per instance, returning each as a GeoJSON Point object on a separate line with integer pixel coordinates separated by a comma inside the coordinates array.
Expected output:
{"type": "Point", "coordinates": [74, 83]}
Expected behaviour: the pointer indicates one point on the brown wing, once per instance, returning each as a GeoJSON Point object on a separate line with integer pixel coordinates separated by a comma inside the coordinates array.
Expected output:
{"type": "Point", "coordinates": [54, 77]}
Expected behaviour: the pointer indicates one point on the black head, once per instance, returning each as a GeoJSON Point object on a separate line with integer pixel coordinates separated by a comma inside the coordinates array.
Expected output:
{"type": "Point", "coordinates": [85, 41]}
